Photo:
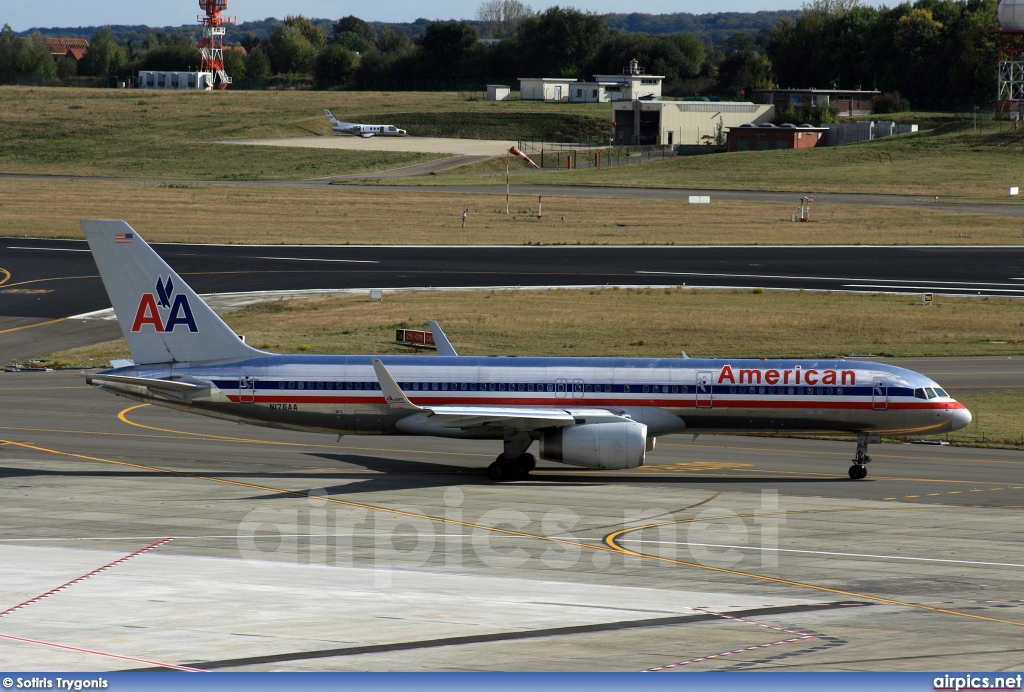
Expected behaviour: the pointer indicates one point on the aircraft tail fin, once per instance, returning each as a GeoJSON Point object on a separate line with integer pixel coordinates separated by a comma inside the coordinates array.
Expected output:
{"type": "Point", "coordinates": [330, 116]}
{"type": "Point", "coordinates": [161, 317]}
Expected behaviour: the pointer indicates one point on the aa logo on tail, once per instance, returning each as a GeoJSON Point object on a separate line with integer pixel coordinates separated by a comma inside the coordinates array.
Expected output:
{"type": "Point", "coordinates": [152, 308]}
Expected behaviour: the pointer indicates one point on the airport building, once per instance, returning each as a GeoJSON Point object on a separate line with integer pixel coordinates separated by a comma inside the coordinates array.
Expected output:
{"type": "Point", "coordinates": [766, 136]}
{"type": "Point", "coordinates": [632, 84]}
{"type": "Point", "coordinates": [178, 81]}
{"type": "Point", "coordinates": [848, 102]}
{"type": "Point", "coordinates": [682, 122]}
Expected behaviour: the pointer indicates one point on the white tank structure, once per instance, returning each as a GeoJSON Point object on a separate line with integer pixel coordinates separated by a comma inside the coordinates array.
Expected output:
{"type": "Point", "coordinates": [1011, 59]}
{"type": "Point", "coordinates": [1011, 15]}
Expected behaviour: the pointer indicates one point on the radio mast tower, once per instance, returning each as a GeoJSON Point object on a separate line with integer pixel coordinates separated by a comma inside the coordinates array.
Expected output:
{"type": "Point", "coordinates": [212, 44]}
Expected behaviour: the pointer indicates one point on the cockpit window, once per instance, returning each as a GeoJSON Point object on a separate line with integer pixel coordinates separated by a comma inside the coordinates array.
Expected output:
{"type": "Point", "coordinates": [930, 392]}
{"type": "Point", "coordinates": [919, 393]}
{"type": "Point", "coordinates": [941, 392]}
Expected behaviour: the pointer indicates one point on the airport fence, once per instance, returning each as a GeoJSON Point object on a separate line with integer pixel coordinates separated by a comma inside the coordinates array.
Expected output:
{"type": "Point", "coordinates": [591, 154]}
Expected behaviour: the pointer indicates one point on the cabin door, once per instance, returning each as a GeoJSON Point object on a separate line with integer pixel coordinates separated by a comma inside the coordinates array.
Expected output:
{"type": "Point", "coordinates": [879, 394]}
{"type": "Point", "coordinates": [703, 389]}
{"type": "Point", "coordinates": [247, 385]}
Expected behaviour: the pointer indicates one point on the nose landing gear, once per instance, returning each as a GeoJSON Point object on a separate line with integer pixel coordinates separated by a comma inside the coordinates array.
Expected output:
{"type": "Point", "coordinates": [859, 469]}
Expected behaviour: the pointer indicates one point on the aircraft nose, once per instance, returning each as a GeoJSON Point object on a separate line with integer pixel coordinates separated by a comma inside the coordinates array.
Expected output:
{"type": "Point", "coordinates": [959, 418]}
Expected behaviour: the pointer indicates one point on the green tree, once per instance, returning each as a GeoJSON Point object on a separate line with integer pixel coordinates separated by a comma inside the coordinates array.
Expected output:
{"type": "Point", "coordinates": [234, 64]}
{"type": "Point", "coordinates": [559, 42]}
{"type": "Point", "coordinates": [743, 72]}
{"type": "Point", "coordinates": [446, 47]}
{"type": "Point", "coordinates": [290, 51]}
{"type": "Point", "coordinates": [257, 65]}
{"type": "Point", "coordinates": [334, 66]}
{"type": "Point", "coordinates": [36, 59]}
{"type": "Point", "coordinates": [313, 33]}
{"type": "Point", "coordinates": [355, 25]}
{"type": "Point", "coordinates": [11, 49]}
{"type": "Point", "coordinates": [67, 68]}
{"type": "Point", "coordinates": [352, 41]}
{"type": "Point", "coordinates": [501, 17]}
{"type": "Point", "coordinates": [104, 57]}
{"type": "Point", "coordinates": [391, 41]}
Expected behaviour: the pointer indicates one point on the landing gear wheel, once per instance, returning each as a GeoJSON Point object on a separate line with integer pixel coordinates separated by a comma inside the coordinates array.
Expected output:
{"type": "Point", "coordinates": [498, 470]}
{"type": "Point", "coordinates": [858, 472]}
{"type": "Point", "coordinates": [528, 462]}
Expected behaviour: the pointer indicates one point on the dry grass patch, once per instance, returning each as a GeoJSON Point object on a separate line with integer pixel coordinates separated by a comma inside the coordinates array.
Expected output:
{"type": "Point", "coordinates": [636, 323]}
{"type": "Point", "coordinates": [949, 162]}
{"type": "Point", "coordinates": [336, 215]}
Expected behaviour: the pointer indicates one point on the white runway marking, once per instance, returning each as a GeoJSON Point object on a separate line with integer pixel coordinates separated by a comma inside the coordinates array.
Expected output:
{"type": "Point", "coordinates": [835, 278]}
{"type": "Point", "coordinates": [317, 259]}
{"type": "Point", "coordinates": [927, 286]}
{"type": "Point", "coordinates": [47, 249]}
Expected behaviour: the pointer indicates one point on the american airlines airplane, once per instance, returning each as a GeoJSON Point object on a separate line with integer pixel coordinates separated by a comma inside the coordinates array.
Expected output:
{"type": "Point", "coordinates": [364, 130]}
{"type": "Point", "coordinates": [600, 413]}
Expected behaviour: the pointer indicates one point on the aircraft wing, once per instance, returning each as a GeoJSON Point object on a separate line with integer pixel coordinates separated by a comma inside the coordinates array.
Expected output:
{"type": "Point", "coordinates": [517, 417]}
{"type": "Point", "coordinates": [366, 135]}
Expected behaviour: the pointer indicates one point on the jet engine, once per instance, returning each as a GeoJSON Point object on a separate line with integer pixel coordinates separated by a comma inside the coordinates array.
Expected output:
{"type": "Point", "coordinates": [618, 445]}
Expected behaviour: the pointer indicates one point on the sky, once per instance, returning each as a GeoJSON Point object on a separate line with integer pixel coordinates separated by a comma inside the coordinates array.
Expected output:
{"type": "Point", "coordinates": [23, 15]}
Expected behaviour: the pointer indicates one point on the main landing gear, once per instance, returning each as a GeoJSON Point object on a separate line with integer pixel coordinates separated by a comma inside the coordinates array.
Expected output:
{"type": "Point", "coordinates": [514, 463]}
{"type": "Point", "coordinates": [511, 469]}
{"type": "Point", "coordinates": [859, 471]}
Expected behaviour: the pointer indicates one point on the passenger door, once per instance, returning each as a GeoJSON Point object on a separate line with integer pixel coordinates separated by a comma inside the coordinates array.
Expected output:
{"type": "Point", "coordinates": [879, 394]}
{"type": "Point", "coordinates": [703, 389]}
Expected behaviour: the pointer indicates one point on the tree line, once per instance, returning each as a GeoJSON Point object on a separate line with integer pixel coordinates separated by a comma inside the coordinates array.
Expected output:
{"type": "Point", "coordinates": [932, 52]}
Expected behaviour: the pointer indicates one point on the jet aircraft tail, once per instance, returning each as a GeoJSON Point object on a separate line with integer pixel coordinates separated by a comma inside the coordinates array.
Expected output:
{"type": "Point", "coordinates": [161, 317]}
{"type": "Point", "coordinates": [330, 117]}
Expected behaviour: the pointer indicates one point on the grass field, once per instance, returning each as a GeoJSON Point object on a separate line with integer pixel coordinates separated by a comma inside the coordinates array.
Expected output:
{"type": "Point", "coordinates": [152, 134]}
{"type": "Point", "coordinates": [641, 323]}
{"type": "Point", "coordinates": [947, 161]}
{"type": "Point", "coordinates": [655, 323]}
{"type": "Point", "coordinates": [182, 213]}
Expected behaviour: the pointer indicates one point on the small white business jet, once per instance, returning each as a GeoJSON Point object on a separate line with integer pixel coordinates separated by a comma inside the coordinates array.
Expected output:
{"type": "Point", "coordinates": [364, 130]}
{"type": "Point", "coordinates": [601, 413]}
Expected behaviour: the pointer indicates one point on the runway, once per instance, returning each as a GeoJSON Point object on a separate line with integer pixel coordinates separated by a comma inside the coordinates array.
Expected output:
{"type": "Point", "coordinates": [57, 278]}
{"type": "Point", "coordinates": [184, 542]}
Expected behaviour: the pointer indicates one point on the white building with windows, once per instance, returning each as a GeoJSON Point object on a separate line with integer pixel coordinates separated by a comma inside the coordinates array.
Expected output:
{"type": "Point", "coordinates": [177, 81]}
{"type": "Point", "coordinates": [631, 85]}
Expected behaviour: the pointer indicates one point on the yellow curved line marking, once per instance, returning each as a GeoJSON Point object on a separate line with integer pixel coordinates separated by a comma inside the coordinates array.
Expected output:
{"type": "Point", "coordinates": [6, 276]}
{"type": "Point", "coordinates": [53, 278]}
{"type": "Point", "coordinates": [611, 541]}
{"type": "Point", "coordinates": [30, 326]}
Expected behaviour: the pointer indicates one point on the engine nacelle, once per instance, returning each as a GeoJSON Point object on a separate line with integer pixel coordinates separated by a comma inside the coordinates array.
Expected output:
{"type": "Point", "coordinates": [619, 445]}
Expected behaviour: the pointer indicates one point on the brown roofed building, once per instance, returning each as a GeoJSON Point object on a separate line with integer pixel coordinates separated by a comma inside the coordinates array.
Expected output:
{"type": "Point", "coordinates": [59, 47]}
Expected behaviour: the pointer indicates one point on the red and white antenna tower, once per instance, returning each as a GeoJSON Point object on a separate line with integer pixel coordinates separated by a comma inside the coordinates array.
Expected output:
{"type": "Point", "coordinates": [212, 44]}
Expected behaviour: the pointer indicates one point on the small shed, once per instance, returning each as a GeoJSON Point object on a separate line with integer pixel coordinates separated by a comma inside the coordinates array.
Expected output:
{"type": "Point", "coordinates": [544, 88]}
{"type": "Point", "coordinates": [498, 92]}
{"type": "Point", "coordinates": [766, 136]}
